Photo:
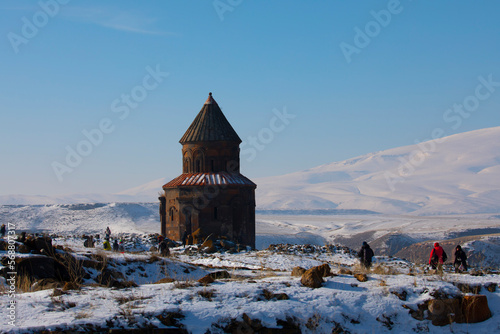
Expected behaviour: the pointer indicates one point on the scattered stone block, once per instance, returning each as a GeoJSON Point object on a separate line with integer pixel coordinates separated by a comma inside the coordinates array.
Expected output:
{"type": "Point", "coordinates": [312, 278]}
{"type": "Point", "coordinates": [207, 279]}
{"type": "Point", "coordinates": [361, 277]}
{"type": "Point", "coordinates": [475, 308]}
{"type": "Point", "coordinates": [345, 271]}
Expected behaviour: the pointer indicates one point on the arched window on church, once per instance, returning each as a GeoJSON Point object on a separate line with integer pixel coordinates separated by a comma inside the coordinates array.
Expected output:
{"type": "Point", "coordinates": [171, 214]}
{"type": "Point", "coordinates": [198, 166]}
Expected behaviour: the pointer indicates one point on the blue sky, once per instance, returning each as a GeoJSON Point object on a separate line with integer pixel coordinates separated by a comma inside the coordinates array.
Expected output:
{"type": "Point", "coordinates": [259, 58]}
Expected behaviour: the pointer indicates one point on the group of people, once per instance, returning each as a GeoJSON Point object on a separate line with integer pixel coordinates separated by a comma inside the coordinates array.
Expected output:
{"type": "Point", "coordinates": [437, 257]}
{"type": "Point", "coordinates": [117, 245]}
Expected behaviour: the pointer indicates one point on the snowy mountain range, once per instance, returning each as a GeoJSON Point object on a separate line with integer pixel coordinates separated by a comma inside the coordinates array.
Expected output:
{"type": "Point", "coordinates": [455, 174]}
{"type": "Point", "coordinates": [458, 174]}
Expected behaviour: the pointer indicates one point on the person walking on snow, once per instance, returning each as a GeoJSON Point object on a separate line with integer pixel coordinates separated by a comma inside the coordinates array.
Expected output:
{"type": "Point", "coordinates": [115, 245]}
{"type": "Point", "coordinates": [365, 255]}
{"type": "Point", "coordinates": [438, 257]}
{"type": "Point", "coordinates": [460, 262]}
{"type": "Point", "coordinates": [107, 233]}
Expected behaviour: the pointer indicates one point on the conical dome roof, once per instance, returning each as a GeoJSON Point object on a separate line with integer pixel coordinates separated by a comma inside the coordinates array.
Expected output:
{"type": "Point", "coordinates": [210, 125]}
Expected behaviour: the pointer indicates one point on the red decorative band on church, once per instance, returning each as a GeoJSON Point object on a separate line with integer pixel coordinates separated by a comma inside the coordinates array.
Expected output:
{"type": "Point", "coordinates": [209, 179]}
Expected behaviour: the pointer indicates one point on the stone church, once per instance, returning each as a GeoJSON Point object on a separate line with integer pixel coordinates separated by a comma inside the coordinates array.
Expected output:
{"type": "Point", "coordinates": [211, 194]}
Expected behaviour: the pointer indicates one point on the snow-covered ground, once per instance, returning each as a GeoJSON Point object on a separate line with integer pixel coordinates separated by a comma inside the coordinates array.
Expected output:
{"type": "Point", "coordinates": [259, 282]}
{"type": "Point", "coordinates": [255, 276]}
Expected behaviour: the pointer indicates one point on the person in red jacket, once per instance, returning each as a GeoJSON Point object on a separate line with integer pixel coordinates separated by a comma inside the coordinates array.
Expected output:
{"type": "Point", "coordinates": [438, 257]}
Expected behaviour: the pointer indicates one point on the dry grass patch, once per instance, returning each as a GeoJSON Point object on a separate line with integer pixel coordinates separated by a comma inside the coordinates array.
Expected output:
{"type": "Point", "coordinates": [207, 294]}
{"type": "Point", "coordinates": [380, 269]}
{"type": "Point", "coordinates": [184, 284]}
{"type": "Point", "coordinates": [83, 315]}
{"type": "Point", "coordinates": [123, 299]}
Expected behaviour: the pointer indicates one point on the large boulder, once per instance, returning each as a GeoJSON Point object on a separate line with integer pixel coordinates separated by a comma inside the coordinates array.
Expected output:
{"type": "Point", "coordinates": [312, 278]}
{"type": "Point", "coordinates": [475, 308]}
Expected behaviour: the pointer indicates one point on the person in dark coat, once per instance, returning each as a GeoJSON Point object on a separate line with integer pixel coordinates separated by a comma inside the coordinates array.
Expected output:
{"type": "Point", "coordinates": [438, 257]}
{"type": "Point", "coordinates": [163, 248]}
{"type": "Point", "coordinates": [115, 245]}
{"type": "Point", "coordinates": [460, 262]}
{"type": "Point", "coordinates": [184, 238]}
{"type": "Point", "coordinates": [2, 230]}
{"type": "Point", "coordinates": [365, 255]}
